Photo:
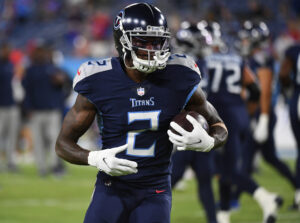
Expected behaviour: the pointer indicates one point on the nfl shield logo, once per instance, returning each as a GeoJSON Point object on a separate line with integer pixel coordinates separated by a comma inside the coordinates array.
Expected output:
{"type": "Point", "coordinates": [140, 91]}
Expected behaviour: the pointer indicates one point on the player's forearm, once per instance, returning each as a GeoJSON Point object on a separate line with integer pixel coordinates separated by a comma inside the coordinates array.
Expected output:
{"type": "Point", "coordinates": [71, 152]}
{"type": "Point", "coordinates": [265, 100]}
{"type": "Point", "coordinates": [284, 73]}
{"type": "Point", "coordinates": [265, 78]}
{"type": "Point", "coordinates": [219, 132]}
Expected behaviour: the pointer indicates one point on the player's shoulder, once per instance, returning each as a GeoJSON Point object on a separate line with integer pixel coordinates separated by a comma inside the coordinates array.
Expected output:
{"type": "Point", "coordinates": [183, 62]}
{"type": "Point", "coordinates": [293, 50]}
{"type": "Point", "coordinates": [92, 68]}
{"type": "Point", "coordinates": [225, 58]}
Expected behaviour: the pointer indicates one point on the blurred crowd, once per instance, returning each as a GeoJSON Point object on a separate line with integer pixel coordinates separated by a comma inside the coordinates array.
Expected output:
{"type": "Point", "coordinates": [83, 27]}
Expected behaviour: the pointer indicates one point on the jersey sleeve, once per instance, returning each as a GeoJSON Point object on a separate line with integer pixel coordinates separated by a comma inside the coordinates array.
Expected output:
{"type": "Point", "coordinates": [80, 82]}
{"type": "Point", "coordinates": [185, 61]}
{"type": "Point", "coordinates": [185, 70]}
{"type": "Point", "coordinates": [84, 80]}
{"type": "Point", "coordinates": [186, 74]}
{"type": "Point", "coordinates": [289, 53]}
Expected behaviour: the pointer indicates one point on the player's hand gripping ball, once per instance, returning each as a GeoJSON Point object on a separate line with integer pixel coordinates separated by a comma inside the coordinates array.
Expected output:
{"type": "Point", "coordinates": [189, 131]}
{"type": "Point", "coordinates": [181, 120]}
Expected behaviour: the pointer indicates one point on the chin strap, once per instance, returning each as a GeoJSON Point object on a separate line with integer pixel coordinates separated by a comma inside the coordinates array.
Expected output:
{"type": "Point", "coordinates": [124, 58]}
{"type": "Point", "coordinates": [161, 59]}
{"type": "Point", "coordinates": [149, 66]}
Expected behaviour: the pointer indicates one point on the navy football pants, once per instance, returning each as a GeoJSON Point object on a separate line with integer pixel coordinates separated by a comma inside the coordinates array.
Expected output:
{"type": "Point", "coordinates": [202, 164]}
{"type": "Point", "coordinates": [117, 202]}
{"type": "Point", "coordinates": [295, 123]}
{"type": "Point", "coordinates": [268, 150]}
{"type": "Point", "coordinates": [237, 121]}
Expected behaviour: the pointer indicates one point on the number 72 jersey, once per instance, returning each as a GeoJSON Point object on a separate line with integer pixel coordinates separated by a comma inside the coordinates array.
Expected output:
{"type": "Point", "coordinates": [139, 113]}
{"type": "Point", "coordinates": [225, 73]}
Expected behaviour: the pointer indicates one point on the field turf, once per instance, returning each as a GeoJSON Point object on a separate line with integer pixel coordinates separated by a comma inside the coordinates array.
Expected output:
{"type": "Point", "coordinates": [27, 198]}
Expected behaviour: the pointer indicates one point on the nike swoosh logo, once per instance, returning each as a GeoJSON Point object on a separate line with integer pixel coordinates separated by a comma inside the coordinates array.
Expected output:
{"type": "Point", "coordinates": [159, 191]}
{"type": "Point", "coordinates": [194, 143]}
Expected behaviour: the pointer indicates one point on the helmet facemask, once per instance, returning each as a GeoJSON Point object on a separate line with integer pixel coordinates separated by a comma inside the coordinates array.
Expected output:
{"type": "Point", "coordinates": [153, 58]}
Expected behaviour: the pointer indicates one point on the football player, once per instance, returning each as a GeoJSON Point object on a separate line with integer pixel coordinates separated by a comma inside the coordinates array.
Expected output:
{"type": "Point", "coordinates": [135, 96]}
{"type": "Point", "coordinates": [228, 75]}
{"type": "Point", "coordinates": [256, 35]}
{"type": "Point", "coordinates": [194, 41]}
{"type": "Point", "coordinates": [290, 78]}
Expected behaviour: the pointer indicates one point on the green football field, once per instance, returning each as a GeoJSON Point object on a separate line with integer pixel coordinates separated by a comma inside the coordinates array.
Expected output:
{"type": "Point", "coordinates": [27, 198]}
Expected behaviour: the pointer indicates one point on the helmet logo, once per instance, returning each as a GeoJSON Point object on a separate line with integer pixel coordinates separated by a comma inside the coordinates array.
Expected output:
{"type": "Point", "coordinates": [118, 19]}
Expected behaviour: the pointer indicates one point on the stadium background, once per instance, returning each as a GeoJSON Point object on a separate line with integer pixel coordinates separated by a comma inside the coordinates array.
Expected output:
{"type": "Point", "coordinates": [80, 29]}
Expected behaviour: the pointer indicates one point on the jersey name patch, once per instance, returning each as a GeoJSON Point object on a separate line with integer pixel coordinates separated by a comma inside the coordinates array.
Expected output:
{"type": "Point", "coordinates": [145, 102]}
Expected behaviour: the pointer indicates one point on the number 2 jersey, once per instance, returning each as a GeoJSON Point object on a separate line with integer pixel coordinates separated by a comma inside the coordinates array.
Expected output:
{"type": "Point", "coordinates": [138, 114]}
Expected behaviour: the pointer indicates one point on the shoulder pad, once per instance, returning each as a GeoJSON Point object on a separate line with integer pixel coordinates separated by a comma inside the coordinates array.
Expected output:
{"type": "Point", "coordinates": [183, 60]}
{"type": "Point", "coordinates": [91, 67]}
{"type": "Point", "coordinates": [261, 58]}
{"type": "Point", "coordinates": [225, 58]}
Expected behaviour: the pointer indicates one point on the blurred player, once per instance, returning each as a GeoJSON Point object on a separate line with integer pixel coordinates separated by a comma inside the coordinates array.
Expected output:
{"type": "Point", "coordinates": [290, 78]}
{"type": "Point", "coordinates": [9, 112]}
{"type": "Point", "coordinates": [193, 41]}
{"type": "Point", "coordinates": [135, 96]}
{"type": "Point", "coordinates": [254, 39]}
{"type": "Point", "coordinates": [228, 75]}
{"type": "Point", "coordinates": [44, 101]}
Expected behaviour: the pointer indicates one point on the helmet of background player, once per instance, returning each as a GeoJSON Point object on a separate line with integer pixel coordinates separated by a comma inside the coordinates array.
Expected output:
{"type": "Point", "coordinates": [252, 35]}
{"type": "Point", "coordinates": [193, 39]}
{"type": "Point", "coordinates": [243, 42]}
{"type": "Point", "coordinates": [260, 35]}
{"type": "Point", "coordinates": [141, 33]}
{"type": "Point", "coordinates": [217, 41]}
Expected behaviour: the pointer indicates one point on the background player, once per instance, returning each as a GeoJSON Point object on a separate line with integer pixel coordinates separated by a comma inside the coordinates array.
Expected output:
{"type": "Point", "coordinates": [290, 78]}
{"type": "Point", "coordinates": [255, 37]}
{"type": "Point", "coordinates": [194, 42]}
{"type": "Point", "coordinates": [228, 74]}
{"type": "Point", "coordinates": [136, 96]}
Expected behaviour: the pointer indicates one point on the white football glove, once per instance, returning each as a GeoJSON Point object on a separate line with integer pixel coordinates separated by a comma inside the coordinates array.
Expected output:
{"type": "Point", "coordinates": [197, 140]}
{"type": "Point", "coordinates": [261, 133]}
{"type": "Point", "coordinates": [106, 161]}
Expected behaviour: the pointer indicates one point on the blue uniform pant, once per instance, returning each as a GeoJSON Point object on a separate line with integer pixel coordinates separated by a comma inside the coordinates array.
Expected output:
{"type": "Point", "coordinates": [202, 164]}
{"type": "Point", "coordinates": [268, 151]}
{"type": "Point", "coordinates": [295, 123]}
{"type": "Point", "coordinates": [237, 122]}
{"type": "Point", "coordinates": [114, 201]}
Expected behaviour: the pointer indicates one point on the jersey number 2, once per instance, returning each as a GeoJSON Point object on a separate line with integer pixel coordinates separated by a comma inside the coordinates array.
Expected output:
{"type": "Point", "coordinates": [153, 118]}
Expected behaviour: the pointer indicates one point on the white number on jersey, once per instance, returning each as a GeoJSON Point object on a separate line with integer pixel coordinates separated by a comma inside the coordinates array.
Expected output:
{"type": "Point", "coordinates": [153, 118]}
{"type": "Point", "coordinates": [231, 80]}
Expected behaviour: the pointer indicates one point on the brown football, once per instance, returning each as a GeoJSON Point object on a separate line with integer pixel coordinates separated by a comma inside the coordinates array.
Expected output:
{"type": "Point", "coordinates": [181, 120]}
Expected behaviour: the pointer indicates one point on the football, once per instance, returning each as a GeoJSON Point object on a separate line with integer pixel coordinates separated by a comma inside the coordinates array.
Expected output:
{"type": "Point", "coordinates": [181, 120]}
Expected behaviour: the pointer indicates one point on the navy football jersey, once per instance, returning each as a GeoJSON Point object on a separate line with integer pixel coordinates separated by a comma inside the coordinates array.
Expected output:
{"type": "Point", "coordinates": [264, 60]}
{"type": "Point", "coordinates": [139, 113]}
{"type": "Point", "coordinates": [261, 59]}
{"type": "Point", "coordinates": [6, 92]}
{"type": "Point", "coordinates": [204, 74]}
{"type": "Point", "coordinates": [225, 73]}
{"type": "Point", "coordinates": [293, 53]}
